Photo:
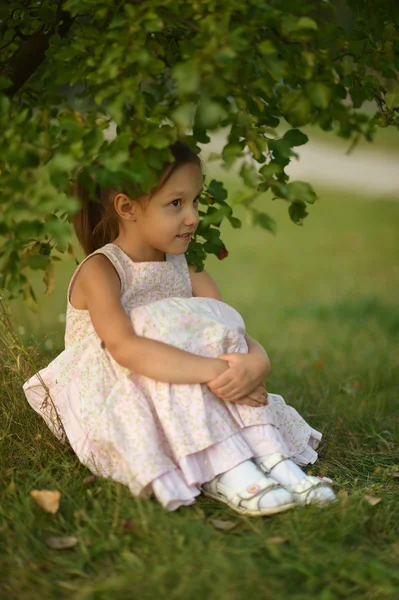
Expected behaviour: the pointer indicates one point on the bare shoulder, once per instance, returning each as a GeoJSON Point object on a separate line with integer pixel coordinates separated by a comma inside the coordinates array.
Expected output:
{"type": "Point", "coordinates": [95, 276]}
{"type": "Point", "coordinates": [203, 285]}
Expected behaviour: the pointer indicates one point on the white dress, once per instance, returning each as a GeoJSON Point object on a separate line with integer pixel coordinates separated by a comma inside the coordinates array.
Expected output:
{"type": "Point", "coordinates": [156, 437]}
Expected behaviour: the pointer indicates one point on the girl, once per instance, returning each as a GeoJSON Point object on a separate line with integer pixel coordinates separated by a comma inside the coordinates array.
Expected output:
{"type": "Point", "coordinates": [159, 387]}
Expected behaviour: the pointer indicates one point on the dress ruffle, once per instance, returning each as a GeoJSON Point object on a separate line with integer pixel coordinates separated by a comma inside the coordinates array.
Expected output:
{"type": "Point", "coordinates": [181, 486]}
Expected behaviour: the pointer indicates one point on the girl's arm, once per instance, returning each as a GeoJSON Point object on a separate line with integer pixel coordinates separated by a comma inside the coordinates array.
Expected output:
{"type": "Point", "coordinates": [246, 371]}
{"type": "Point", "coordinates": [255, 348]}
{"type": "Point", "coordinates": [100, 285]}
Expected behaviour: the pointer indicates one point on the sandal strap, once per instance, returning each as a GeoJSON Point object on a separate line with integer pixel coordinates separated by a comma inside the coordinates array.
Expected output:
{"type": "Point", "coordinates": [253, 493]}
{"type": "Point", "coordinates": [272, 461]}
{"type": "Point", "coordinates": [308, 484]}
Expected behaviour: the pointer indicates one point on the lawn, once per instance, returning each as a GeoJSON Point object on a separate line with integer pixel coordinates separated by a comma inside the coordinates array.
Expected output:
{"type": "Point", "coordinates": [323, 300]}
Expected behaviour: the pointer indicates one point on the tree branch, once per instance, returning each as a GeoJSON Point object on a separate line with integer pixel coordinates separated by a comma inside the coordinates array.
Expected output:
{"type": "Point", "coordinates": [30, 55]}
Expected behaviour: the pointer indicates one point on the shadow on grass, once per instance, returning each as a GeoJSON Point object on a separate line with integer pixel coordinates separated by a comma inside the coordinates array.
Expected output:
{"type": "Point", "coordinates": [357, 312]}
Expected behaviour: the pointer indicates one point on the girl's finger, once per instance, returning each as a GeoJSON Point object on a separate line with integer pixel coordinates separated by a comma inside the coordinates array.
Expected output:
{"type": "Point", "coordinates": [236, 396]}
{"type": "Point", "coordinates": [248, 402]}
{"type": "Point", "coordinates": [227, 390]}
{"type": "Point", "coordinates": [259, 399]}
{"type": "Point", "coordinates": [223, 379]}
{"type": "Point", "coordinates": [259, 396]}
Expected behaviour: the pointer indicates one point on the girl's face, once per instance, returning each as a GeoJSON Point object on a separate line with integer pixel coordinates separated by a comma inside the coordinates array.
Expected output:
{"type": "Point", "coordinates": [166, 223]}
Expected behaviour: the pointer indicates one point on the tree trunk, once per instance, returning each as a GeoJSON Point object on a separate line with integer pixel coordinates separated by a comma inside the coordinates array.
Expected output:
{"type": "Point", "coordinates": [30, 55]}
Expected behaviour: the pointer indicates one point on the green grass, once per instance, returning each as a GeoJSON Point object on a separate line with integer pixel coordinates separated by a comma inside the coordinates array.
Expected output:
{"type": "Point", "coordinates": [323, 300]}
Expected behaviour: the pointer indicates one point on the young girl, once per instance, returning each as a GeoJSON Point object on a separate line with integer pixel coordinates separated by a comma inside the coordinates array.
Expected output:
{"type": "Point", "coordinates": [159, 386]}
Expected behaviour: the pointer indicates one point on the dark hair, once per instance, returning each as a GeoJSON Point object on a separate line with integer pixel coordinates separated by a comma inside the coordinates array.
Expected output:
{"type": "Point", "coordinates": [96, 223]}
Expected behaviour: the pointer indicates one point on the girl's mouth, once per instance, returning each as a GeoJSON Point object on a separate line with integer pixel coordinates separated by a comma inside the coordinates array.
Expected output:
{"type": "Point", "coordinates": [185, 236]}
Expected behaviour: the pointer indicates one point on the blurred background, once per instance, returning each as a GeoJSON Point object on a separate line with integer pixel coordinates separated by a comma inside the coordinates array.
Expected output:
{"type": "Point", "coordinates": [340, 269]}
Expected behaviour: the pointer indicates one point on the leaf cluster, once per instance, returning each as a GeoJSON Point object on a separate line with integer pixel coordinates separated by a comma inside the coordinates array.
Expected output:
{"type": "Point", "coordinates": [88, 80]}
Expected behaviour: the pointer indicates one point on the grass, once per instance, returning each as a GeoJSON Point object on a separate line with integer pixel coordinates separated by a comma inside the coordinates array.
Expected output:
{"type": "Point", "coordinates": [323, 300]}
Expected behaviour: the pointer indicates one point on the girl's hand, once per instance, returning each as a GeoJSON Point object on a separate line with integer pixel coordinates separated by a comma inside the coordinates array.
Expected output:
{"type": "Point", "coordinates": [257, 398]}
{"type": "Point", "coordinates": [245, 373]}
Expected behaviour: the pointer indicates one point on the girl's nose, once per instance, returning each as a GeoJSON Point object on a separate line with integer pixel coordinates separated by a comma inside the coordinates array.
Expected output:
{"type": "Point", "coordinates": [191, 217]}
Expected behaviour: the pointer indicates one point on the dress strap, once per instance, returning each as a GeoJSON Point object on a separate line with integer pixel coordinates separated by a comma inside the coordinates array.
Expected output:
{"type": "Point", "coordinates": [120, 262]}
{"type": "Point", "coordinates": [179, 262]}
{"type": "Point", "coordinates": [115, 257]}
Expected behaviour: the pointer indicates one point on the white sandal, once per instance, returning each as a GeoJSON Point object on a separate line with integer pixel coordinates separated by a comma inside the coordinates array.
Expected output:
{"type": "Point", "coordinates": [253, 494]}
{"type": "Point", "coordinates": [304, 486]}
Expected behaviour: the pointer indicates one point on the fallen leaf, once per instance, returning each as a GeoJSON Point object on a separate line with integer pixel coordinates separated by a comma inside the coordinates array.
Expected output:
{"type": "Point", "coordinates": [90, 479]}
{"type": "Point", "coordinates": [225, 525]}
{"type": "Point", "coordinates": [128, 525]}
{"type": "Point", "coordinates": [373, 500]}
{"type": "Point", "coordinates": [48, 500]}
{"type": "Point", "coordinates": [343, 497]}
{"type": "Point", "coordinates": [356, 385]}
{"type": "Point", "coordinates": [61, 543]}
{"type": "Point", "coordinates": [318, 365]}
{"type": "Point", "coordinates": [11, 486]}
{"type": "Point", "coordinates": [277, 540]}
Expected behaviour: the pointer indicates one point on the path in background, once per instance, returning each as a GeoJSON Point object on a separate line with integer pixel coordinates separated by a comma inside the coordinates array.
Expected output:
{"type": "Point", "coordinates": [366, 169]}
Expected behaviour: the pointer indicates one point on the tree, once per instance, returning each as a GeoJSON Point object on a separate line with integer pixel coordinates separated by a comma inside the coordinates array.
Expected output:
{"type": "Point", "coordinates": [158, 69]}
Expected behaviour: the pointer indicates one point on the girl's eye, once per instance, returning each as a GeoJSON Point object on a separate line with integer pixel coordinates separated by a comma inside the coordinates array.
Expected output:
{"type": "Point", "coordinates": [173, 202]}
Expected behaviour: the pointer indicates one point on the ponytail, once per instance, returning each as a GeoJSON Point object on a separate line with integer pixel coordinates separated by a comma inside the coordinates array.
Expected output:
{"type": "Point", "coordinates": [95, 224]}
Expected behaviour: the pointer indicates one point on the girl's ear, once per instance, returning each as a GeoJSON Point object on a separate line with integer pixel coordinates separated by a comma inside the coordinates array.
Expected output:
{"type": "Point", "coordinates": [125, 208]}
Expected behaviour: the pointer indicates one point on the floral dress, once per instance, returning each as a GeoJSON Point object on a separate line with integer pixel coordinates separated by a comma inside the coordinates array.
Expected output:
{"type": "Point", "coordinates": [155, 437]}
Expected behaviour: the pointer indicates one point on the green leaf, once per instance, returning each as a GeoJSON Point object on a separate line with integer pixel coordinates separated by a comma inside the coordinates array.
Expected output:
{"type": "Point", "coordinates": [209, 113]}
{"type": "Point", "coordinates": [63, 162]}
{"type": "Point", "coordinates": [297, 212]}
{"type": "Point", "coordinates": [392, 98]}
{"type": "Point", "coordinates": [215, 216]}
{"type": "Point", "coordinates": [187, 77]}
{"type": "Point", "coordinates": [217, 191]}
{"type": "Point", "coordinates": [235, 223]}
{"type": "Point", "coordinates": [92, 141]}
{"type": "Point", "coordinates": [268, 171]}
{"type": "Point", "coordinates": [231, 152]}
{"type": "Point", "coordinates": [49, 278]}
{"type": "Point", "coordinates": [295, 137]}
{"type": "Point", "coordinates": [301, 191]}
{"type": "Point", "coordinates": [30, 298]}
{"type": "Point", "coordinates": [267, 48]}
{"type": "Point", "coordinates": [282, 151]}
{"type": "Point", "coordinates": [320, 94]}
{"type": "Point", "coordinates": [5, 82]}
{"type": "Point", "coordinates": [4, 105]}
{"type": "Point", "coordinates": [265, 221]}
{"type": "Point", "coordinates": [38, 261]}
{"type": "Point", "coordinates": [306, 23]}
{"type": "Point", "coordinates": [183, 116]}
{"type": "Point", "coordinates": [249, 175]}
{"type": "Point", "coordinates": [296, 108]}
{"type": "Point", "coordinates": [27, 230]}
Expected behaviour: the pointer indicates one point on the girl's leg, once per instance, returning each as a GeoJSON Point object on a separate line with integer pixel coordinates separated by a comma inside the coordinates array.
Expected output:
{"type": "Point", "coordinates": [246, 476]}
{"type": "Point", "coordinates": [270, 448]}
